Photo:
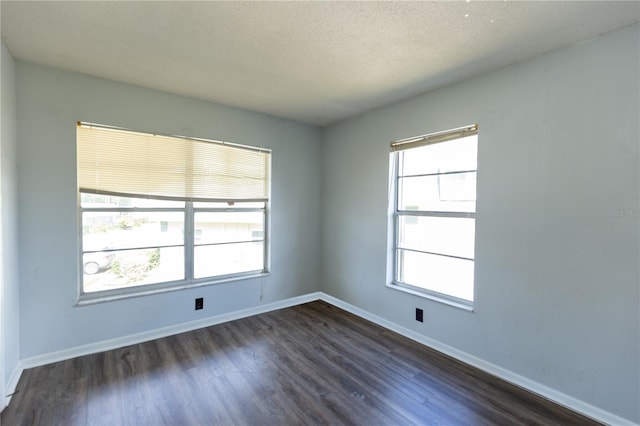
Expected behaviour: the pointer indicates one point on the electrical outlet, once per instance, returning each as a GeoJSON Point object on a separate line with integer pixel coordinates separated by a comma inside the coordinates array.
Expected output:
{"type": "Point", "coordinates": [199, 303]}
{"type": "Point", "coordinates": [419, 315]}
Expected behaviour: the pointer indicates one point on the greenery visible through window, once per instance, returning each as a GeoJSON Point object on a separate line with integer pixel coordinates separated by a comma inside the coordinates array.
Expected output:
{"type": "Point", "coordinates": [159, 235]}
{"type": "Point", "coordinates": [434, 214]}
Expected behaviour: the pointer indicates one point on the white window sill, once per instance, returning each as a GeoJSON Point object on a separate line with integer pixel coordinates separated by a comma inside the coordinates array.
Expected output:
{"type": "Point", "coordinates": [124, 293]}
{"type": "Point", "coordinates": [433, 296]}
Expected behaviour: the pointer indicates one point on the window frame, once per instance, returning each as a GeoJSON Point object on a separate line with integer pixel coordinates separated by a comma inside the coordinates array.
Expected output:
{"type": "Point", "coordinates": [395, 249]}
{"type": "Point", "coordinates": [189, 244]}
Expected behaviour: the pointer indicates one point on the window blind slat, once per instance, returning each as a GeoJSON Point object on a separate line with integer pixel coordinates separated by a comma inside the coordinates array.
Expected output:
{"type": "Point", "coordinates": [144, 165]}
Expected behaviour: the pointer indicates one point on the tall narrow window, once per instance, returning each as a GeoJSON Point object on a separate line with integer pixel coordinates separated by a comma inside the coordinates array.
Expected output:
{"type": "Point", "coordinates": [434, 214]}
{"type": "Point", "coordinates": [160, 212]}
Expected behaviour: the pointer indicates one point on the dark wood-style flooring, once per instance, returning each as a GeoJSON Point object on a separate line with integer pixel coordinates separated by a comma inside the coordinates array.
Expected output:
{"type": "Point", "coordinates": [310, 364]}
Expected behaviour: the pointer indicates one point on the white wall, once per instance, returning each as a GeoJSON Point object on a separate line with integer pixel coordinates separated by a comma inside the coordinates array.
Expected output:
{"type": "Point", "coordinates": [50, 102]}
{"type": "Point", "coordinates": [9, 289]}
{"type": "Point", "coordinates": [557, 276]}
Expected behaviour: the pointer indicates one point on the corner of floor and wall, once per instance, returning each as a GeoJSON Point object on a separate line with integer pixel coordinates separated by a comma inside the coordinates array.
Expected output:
{"type": "Point", "coordinates": [556, 304]}
{"type": "Point", "coordinates": [497, 371]}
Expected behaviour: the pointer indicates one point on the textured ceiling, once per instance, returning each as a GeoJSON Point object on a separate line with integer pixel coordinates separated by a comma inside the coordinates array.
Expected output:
{"type": "Point", "coordinates": [315, 62]}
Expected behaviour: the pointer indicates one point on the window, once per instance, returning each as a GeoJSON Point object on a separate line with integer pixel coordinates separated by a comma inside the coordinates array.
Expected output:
{"type": "Point", "coordinates": [161, 212]}
{"type": "Point", "coordinates": [434, 205]}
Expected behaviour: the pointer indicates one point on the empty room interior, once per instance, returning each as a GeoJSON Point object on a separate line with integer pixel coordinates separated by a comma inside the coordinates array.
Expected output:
{"type": "Point", "coordinates": [320, 212]}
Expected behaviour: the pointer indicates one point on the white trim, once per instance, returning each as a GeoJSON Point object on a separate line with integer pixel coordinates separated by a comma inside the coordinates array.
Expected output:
{"type": "Point", "coordinates": [502, 373]}
{"type": "Point", "coordinates": [427, 294]}
{"type": "Point", "coordinates": [12, 383]}
{"type": "Point", "coordinates": [133, 339]}
{"type": "Point", "coordinates": [158, 288]}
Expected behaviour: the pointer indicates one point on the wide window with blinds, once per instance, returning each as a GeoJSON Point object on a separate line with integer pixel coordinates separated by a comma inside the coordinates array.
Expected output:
{"type": "Point", "coordinates": [159, 212]}
{"type": "Point", "coordinates": [434, 207]}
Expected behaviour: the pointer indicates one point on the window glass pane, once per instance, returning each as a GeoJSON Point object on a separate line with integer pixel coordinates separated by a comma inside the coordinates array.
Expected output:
{"type": "Point", "coordinates": [110, 201]}
{"type": "Point", "coordinates": [229, 204]}
{"type": "Point", "coordinates": [453, 193]}
{"type": "Point", "coordinates": [226, 227]}
{"type": "Point", "coordinates": [227, 259]}
{"type": "Point", "coordinates": [128, 268]}
{"type": "Point", "coordinates": [441, 274]}
{"type": "Point", "coordinates": [118, 230]}
{"type": "Point", "coordinates": [443, 235]}
{"type": "Point", "coordinates": [451, 156]}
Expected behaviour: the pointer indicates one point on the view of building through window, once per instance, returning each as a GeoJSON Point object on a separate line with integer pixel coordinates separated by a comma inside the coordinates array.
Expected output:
{"type": "Point", "coordinates": [129, 242]}
{"type": "Point", "coordinates": [123, 247]}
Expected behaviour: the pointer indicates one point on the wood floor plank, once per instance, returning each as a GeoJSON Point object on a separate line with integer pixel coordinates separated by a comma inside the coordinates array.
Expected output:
{"type": "Point", "coordinates": [312, 364]}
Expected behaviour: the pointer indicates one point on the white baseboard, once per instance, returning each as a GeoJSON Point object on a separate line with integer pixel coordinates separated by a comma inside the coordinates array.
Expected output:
{"type": "Point", "coordinates": [12, 383]}
{"type": "Point", "coordinates": [502, 373]}
{"type": "Point", "coordinates": [159, 333]}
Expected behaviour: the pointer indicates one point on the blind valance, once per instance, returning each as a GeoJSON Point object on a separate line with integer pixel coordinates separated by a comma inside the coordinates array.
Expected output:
{"type": "Point", "coordinates": [432, 138]}
{"type": "Point", "coordinates": [126, 163]}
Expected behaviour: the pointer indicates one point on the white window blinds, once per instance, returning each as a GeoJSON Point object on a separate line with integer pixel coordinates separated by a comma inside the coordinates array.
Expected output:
{"type": "Point", "coordinates": [125, 163]}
